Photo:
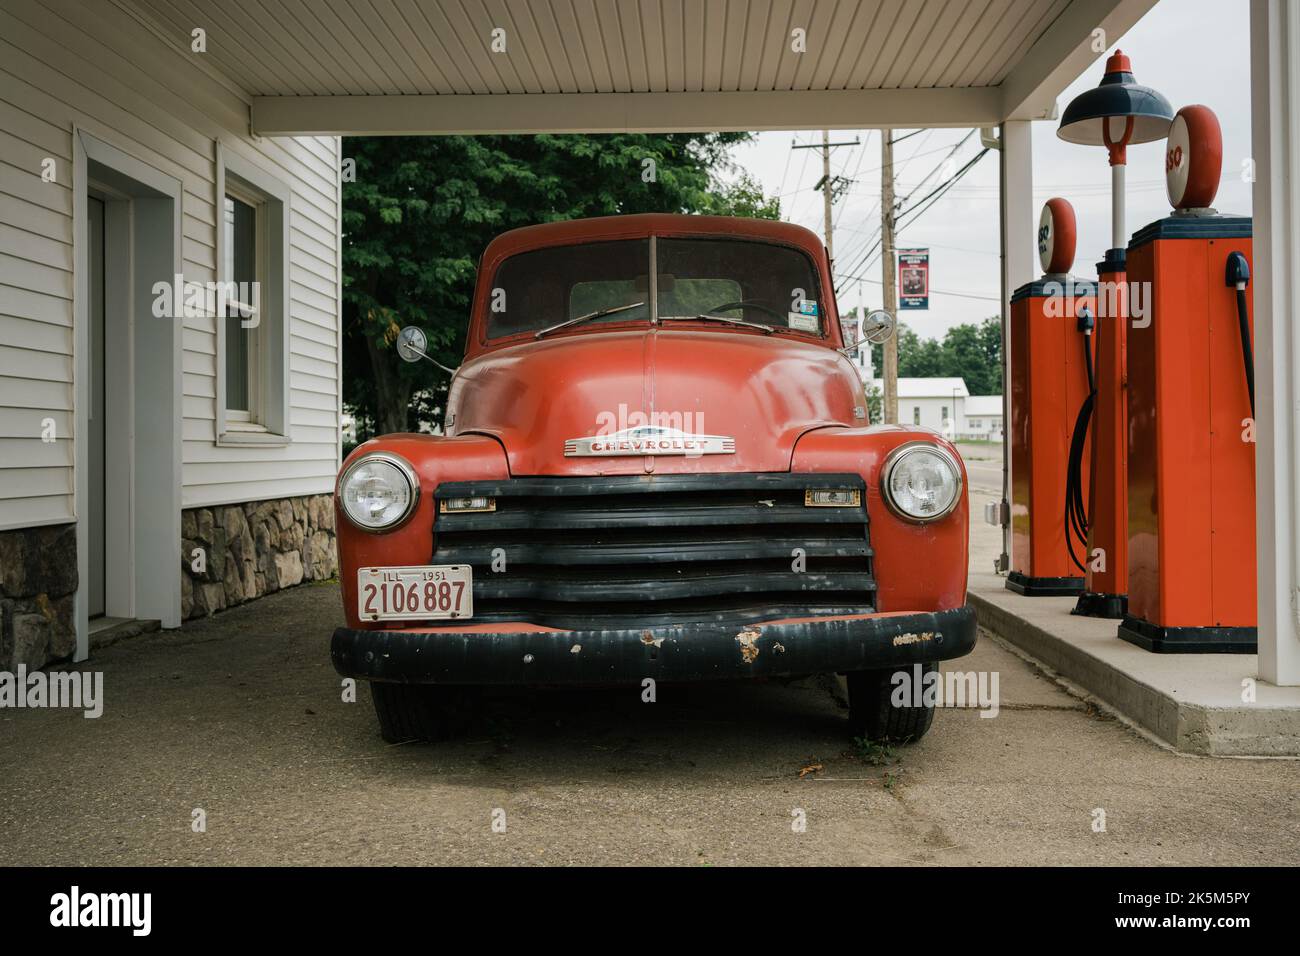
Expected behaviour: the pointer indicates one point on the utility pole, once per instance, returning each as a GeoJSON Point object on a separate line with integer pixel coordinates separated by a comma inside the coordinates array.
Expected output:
{"type": "Point", "coordinates": [831, 186]}
{"type": "Point", "coordinates": [826, 191]}
{"type": "Point", "coordinates": [889, 372]}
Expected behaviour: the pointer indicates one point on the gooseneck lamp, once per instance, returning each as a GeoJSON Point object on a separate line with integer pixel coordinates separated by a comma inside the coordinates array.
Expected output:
{"type": "Point", "coordinates": [1115, 114]}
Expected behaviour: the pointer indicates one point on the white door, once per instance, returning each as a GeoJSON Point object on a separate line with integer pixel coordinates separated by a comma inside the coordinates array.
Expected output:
{"type": "Point", "coordinates": [96, 412]}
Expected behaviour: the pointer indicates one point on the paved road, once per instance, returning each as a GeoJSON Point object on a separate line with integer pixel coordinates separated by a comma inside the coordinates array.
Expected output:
{"type": "Point", "coordinates": [983, 469]}
{"type": "Point", "coordinates": [984, 484]}
{"type": "Point", "coordinates": [241, 715]}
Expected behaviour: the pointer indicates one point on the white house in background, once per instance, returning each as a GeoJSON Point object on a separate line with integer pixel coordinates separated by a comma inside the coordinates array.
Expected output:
{"type": "Point", "coordinates": [936, 403]}
{"type": "Point", "coordinates": [983, 418]}
{"type": "Point", "coordinates": [155, 463]}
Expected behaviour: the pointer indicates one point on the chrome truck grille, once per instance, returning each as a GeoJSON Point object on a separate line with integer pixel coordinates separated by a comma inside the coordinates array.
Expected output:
{"type": "Point", "coordinates": [627, 551]}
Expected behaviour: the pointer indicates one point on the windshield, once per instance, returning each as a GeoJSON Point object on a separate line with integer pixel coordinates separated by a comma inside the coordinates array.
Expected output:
{"type": "Point", "coordinates": [605, 282]}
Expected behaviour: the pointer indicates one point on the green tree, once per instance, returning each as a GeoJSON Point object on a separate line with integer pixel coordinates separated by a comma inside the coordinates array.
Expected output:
{"type": "Point", "coordinates": [990, 337]}
{"type": "Point", "coordinates": [422, 209]}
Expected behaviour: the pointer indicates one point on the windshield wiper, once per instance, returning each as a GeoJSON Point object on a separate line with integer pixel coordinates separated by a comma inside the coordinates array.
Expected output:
{"type": "Point", "coordinates": [706, 316]}
{"type": "Point", "coordinates": [585, 318]}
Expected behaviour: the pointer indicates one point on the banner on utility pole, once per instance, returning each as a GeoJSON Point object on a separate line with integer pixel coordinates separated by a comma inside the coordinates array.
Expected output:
{"type": "Point", "coordinates": [914, 278]}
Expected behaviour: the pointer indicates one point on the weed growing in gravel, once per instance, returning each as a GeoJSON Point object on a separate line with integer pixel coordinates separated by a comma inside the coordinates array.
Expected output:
{"type": "Point", "coordinates": [876, 754]}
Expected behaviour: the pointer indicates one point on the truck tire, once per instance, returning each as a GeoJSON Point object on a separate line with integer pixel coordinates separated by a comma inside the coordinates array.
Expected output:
{"type": "Point", "coordinates": [423, 712]}
{"type": "Point", "coordinates": [873, 715]}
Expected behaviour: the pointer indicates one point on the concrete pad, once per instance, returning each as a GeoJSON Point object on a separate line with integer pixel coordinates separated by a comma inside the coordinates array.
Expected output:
{"type": "Point", "coordinates": [1191, 702]}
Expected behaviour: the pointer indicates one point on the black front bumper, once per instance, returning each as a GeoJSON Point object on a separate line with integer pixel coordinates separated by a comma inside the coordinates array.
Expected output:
{"type": "Point", "coordinates": [679, 652]}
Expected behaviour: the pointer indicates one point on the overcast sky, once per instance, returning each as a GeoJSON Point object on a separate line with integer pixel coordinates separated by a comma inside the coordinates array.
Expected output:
{"type": "Point", "coordinates": [1192, 51]}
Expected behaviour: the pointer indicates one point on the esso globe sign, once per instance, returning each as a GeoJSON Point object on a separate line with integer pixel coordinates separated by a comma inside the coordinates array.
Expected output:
{"type": "Point", "coordinates": [1057, 232]}
{"type": "Point", "coordinates": [1193, 158]}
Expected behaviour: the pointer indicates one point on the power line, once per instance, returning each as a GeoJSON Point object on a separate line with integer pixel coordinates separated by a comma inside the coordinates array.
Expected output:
{"type": "Point", "coordinates": [938, 192]}
{"type": "Point", "coordinates": [941, 149]}
{"type": "Point", "coordinates": [952, 152]}
{"type": "Point", "coordinates": [786, 172]}
{"type": "Point", "coordinates": [866, 257]}
{"type": "Point", "coordinates": [973, 252]}
{"type": "Point", "coordinates": [898, 169]}
{"type": "Point", "coordinates": [861, 156]}
{"type": "Point", "coordinates": [899, 139]}
{"type": "Point", "coordinates": [960, 295]}
{"type": "Point", "coordinates": [915, 212]}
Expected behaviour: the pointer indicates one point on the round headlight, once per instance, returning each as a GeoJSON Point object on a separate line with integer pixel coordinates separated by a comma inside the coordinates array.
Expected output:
{"type": "Point", "coordinates": [921, 481]}
{"type": "Point", "coordinates": [378, 492]}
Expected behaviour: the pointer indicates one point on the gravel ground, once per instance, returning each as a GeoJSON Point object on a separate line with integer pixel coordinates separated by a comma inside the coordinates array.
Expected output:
{"type": "Point", "coordinates": [241, 716]}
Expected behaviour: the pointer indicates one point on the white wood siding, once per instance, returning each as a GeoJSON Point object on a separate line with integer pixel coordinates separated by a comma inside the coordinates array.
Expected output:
{"type": "Point", "coordinates": [62, 63]}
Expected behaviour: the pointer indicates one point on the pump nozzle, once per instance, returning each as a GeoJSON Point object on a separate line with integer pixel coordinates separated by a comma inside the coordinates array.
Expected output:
{"type": "Point", "coordinates": [1236, 273]}
{"type": "Point", "coordinates": [1085, 321]}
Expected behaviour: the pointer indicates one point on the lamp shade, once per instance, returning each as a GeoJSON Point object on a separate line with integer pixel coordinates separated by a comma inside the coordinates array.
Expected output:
{"type": "Point", "coordinates": [1118, 95]}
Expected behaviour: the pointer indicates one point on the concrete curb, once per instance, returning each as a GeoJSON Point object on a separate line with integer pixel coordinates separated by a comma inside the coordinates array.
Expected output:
{"type": "Point", "coordinates": [1169, 713]}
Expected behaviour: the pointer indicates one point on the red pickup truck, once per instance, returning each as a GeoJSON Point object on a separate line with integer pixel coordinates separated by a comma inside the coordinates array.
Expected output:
{"type": "Point", "coordinates": [657, 466]}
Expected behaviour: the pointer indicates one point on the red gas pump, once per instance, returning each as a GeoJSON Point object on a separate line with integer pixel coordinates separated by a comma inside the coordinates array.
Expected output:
{"type": "Point", "coordinates": [1105, 587]}
{"type": "Point", "coordinates": [1191, 452]}
{"type": "Point", "coordinates": [1051, 381]}
{"type": "Point", "coordinates": [1118, 113]}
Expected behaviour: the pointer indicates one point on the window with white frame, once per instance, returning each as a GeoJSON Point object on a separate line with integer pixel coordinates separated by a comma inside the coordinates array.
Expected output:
{"type": "Point", "coordinates": [253, 305]}
{"type": "Point", "coordinates": [245, 271]}
{"type": "Point", "coordinates": [916, 414]}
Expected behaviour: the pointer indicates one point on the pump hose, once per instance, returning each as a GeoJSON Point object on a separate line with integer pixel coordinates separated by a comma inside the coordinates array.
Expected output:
{"type": "Point", "coordinates": [1076, 513]}
{"type": "Point", "coordinates": [1247, 353]}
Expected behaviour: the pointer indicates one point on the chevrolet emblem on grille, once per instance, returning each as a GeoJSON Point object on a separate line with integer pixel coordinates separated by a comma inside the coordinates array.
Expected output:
{"type": "Point", "coordinates": [649, 440]}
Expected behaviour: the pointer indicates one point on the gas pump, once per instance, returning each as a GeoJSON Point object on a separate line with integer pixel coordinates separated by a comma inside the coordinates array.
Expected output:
{"type": "Point", "coordinates": [1191, 453]}
{"type": "Point", "coordinates": [1106, 578]}
{"type": "Point", "coordinates": [1118, 113]}
{"type": "Point", "coordinates": [1051, 380]}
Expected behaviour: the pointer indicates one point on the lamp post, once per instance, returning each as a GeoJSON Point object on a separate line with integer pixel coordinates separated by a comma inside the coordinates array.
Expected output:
{"type": "Point", "coordinates": [1116, 113]}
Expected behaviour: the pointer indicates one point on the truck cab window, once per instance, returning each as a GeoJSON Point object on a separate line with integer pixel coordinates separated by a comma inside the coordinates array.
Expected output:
{"type": "Point", "coordinates": [762, 283]}
{"type": "Point", "coordinates": [533, 290]}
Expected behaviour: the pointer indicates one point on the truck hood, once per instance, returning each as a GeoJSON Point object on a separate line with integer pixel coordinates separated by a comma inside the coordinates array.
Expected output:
{"type": "Point", "coordinates": [755, 394]}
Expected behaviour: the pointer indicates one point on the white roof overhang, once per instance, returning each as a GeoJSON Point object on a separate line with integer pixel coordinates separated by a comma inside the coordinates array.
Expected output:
{"type": "Point", "coordinates": [353, 67]}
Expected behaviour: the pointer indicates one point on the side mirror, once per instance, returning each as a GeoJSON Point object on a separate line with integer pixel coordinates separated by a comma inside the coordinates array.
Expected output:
{"type": "Point", "coordinates": [878, 326]}
{"type": "Point", "coordinates": [412, 345]}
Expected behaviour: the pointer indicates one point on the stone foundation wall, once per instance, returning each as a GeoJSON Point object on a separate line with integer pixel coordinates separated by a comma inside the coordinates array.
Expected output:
{"type": "Point", "coordinates": [229, 555]}
{"type": "Point", "coordinates": [235, 553]}
{"type": "Point", "coordinates": [38, 584]}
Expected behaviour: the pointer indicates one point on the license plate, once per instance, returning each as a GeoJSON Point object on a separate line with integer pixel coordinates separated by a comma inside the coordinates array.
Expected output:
{"type": "Point", "coordinates": [430, 592]}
